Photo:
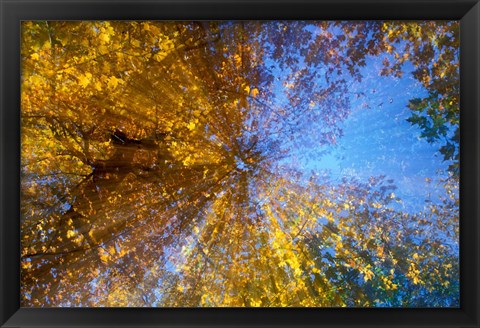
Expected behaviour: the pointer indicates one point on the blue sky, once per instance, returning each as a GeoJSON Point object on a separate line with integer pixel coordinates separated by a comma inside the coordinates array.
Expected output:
{"type": "Point", "coordinates": [378, 140]}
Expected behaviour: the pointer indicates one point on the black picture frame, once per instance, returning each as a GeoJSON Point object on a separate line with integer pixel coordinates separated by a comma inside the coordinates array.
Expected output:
{"type": "Point", "coordinates": [14, 11]}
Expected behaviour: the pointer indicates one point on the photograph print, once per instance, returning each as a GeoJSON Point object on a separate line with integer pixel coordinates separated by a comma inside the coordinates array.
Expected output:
{"type": "Point", "coordinates": [240, 164]}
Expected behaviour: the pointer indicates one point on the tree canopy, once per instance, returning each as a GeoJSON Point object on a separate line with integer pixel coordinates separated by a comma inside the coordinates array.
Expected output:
{"type": "Point", "coordinates": [160, 166]}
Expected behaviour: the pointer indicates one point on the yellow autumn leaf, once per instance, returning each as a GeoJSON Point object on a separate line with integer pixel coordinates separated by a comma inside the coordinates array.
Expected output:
{"type": "Point", "coordinates": [98, 85]}
{"type": "Point", "coordinates": [84, 80]}
{"type": "Point", "coordinates": [104, 37]}
{"type": "Point", "coordinates": [113, 82]}
{"type": "Point", "coordinates": [368, 274]}
{"type": "Point", "coordinates": [256, 303]}
{"type": "Point", "coordinates": [102, 49]}
{"type": "Point", "coordinates": [377, 205]}
{"type": "Point", "coordinates": [380, 251]}
{"type": "Point", "coordinates": [35, 56]}
{"type": "Point", "coordinates": [159, 56]}
{"type": "Point", "coordinates": [104, 257]}
{"type": "Point", "coordinates": [47, 45]}
{"type": "Point", "coordinates": [191, 126]}
{"type": "Point", "coordinates": [254, 92]}
{"type": "Point", "coordinates": [136, 43]}
{"type": "Point", "coordinates": [238, 59]}
{"type": "Point", "coordinates": [26, 265]}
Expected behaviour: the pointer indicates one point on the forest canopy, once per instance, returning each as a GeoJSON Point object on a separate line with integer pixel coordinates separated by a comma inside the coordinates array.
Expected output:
{"type": "Point", "coordinates": [240, 164]}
